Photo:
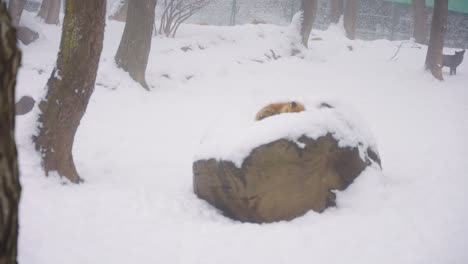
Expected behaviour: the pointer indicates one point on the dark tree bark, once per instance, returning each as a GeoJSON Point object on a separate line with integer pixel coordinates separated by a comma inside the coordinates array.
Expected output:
{"type": "Point", "coordinates": [420, 16]}
{"type": "Point", "coordinates": [436, 41]}
{"type": "Point", "coordinates": [350, 17]}
{"type": "Point", "coordinates": [16, 8]}
{"type": "Point", "coordinates": [336, 10]}
{"type": "Point", "coordinates": [44, 10]}
{"type": "Point", "coordinates": [309, 12]}
{"type": "Point", "coordinates": [70, 85]}
{"type": "Point", "coordinates": [54, 12]}
{"type": "Point", "coordinates": [50, 11]}
{"type": "Point", "coordinates": [10, 188]}
{"type": "Point", "coordinates": [135, 46]}
{"type": "Point", "coordinates": [121, 13]}
{"type": "Point", "coordinates": [25, 35]}
{"type": "Point", "coordinates": [234, 11]}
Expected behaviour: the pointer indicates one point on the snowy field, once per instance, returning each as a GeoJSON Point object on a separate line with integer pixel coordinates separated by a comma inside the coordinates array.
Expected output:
{"type": "Point", "coordinates": [135, 150]}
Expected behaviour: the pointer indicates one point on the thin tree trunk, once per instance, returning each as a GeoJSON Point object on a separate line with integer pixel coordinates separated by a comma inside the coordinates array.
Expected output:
{"type": "Point", "coordinates": [16, 8]}
{"type": "Point", "coordinates": [234, 9]}
{"type": "Point", "coordinates": [50, 11]}
{"type": "Point", "coordinates": [54, 12]}
{"type": "Point", "coordinates": [44, 11]}
{"type": "Point", "coordinates": [10, 188]}
{"type": "Point", "coordinates": [309, 11]}
{"type": "Point", "coordinates": [135, 46]}
{"type": "Point", "coordinates": [420, 16]}
{"type": "Point", "coordinates": [336, 10]}
{"type": "Point", "coordinates": [121, 13]}
{"type": "Point", "coordinates": [436, 41]}
{"type": "Point", "coordinates": [70, 85]}
{"type": "Point", "coordinates": [350, 17]}
{"type": "Point", "coordinates": [25, 34]}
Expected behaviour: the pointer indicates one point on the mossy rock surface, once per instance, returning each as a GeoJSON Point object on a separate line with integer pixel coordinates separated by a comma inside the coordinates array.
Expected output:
{"type": "Point", "coordinates": [281, 180]}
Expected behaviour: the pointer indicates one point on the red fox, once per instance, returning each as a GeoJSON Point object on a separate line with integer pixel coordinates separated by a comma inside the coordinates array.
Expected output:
{"type": "Point", "coordinates": [278, 108]}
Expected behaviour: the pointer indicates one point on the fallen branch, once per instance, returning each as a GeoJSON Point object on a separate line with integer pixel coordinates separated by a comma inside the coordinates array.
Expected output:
{"type": "Point", "coordinates": [415, 46]}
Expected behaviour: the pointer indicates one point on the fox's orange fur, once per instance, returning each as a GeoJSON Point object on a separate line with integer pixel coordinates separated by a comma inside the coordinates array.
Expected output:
{"type": "Point", "coordinates": [278, 108]}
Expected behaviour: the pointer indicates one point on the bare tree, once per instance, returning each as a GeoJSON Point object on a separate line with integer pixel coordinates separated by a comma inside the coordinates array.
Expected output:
{"type": "Point", "coordinates": [420, 16]}
{"type": "Point", "coordinates": [336, 10]}
{"type": "Point", "coordinates": [176, 12]}
{"type": "Point", "coordinates": [309, 12]}
{"type": "Point", "coordinates": [350, 17]}
{"type": "Point", "coordinates": [120, 14]}
{"type": "Point", "coordinates": [44, 9]}
{"type": "Point", "coordinates": [16, 7]}
{"type": "Point", "coordinates": [50, 11]}
{"type": "Point", "coordinates": [436, 40]}
{"type": "Point", "coordinates": [234, 11]}
{"type": "Point", "coordinates": [24, 105]}
{"type": "Point", "coordinates": [25, 34]}
{"type": "Point", "coordinates": [135, 46]}
{"type": "Point", "coordinates": [70, 86]}
{"type": "Point", "coordinates": [10, 188]}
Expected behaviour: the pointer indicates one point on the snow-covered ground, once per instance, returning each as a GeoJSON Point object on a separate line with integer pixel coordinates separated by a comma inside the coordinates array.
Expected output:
{"type": "Point", "coordinates": [135, 150]}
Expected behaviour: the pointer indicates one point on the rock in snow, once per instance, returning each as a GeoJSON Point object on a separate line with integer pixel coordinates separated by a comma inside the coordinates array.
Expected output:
{"type": "Point", "coordinates": [287, 177]}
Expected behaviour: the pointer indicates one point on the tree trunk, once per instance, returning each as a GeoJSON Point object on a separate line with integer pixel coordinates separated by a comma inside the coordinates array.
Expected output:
{"type": "Point", "coordinates": [336, 10]}
{"type": "Point", "coordinates": [50, 11]}
{"type": "Point", "coordinates": [121, 13]}
{"type": "Point", "coordinates": [420, 16]}
{"type": "Point", "coordinates": [70, 85]}
{"type": "Point", "coordinates": [54, 12]}
{"type": "Point", "coordinates": [350, 17]}
{"type": "Point", "coordinates": [16, 8]}
{"type": "Point", "coordinates": [436, 41]}
{"type": "Point", "coordinates": [24, 34]}
{"type": "Point", "coordinates": [10, 188]}
{"type": "Point", "coordinates": [135, 46]}
{"type": "Point", "coordinates": [234, 10]}
{"type": "Point", "coordinates": [309, 11]}
{"type": "Point", "coordinates": [45, 6]}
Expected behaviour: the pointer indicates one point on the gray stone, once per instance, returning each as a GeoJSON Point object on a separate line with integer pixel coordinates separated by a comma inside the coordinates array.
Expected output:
{"type": "Point", "coordinates": [280, 180]}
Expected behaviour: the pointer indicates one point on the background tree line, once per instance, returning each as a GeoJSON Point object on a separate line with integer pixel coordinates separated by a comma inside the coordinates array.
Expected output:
{"type": "Point", "coordinates": [349, 9]}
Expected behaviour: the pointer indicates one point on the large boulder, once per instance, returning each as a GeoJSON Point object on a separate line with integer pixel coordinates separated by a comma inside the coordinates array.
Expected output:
{"type": "Point", "coordinates": [284, 178]}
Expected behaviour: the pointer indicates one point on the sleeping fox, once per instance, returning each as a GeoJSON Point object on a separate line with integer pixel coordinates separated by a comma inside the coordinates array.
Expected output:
{"type": "Point", "coordinates": [278, 108]}
{"type": "Point", "coordinates": [453, 61]}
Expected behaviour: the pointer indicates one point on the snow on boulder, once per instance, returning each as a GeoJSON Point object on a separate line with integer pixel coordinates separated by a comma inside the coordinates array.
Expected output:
{"type": "Point", "coordinates": [283, 166]}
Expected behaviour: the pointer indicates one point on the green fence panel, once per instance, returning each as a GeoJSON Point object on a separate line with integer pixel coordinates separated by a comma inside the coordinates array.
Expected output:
{"type": "Point", "coordinates": [454, 5]}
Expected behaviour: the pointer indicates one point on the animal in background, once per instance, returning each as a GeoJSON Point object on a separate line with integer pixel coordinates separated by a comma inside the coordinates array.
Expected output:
{"type": "Point", "coordinates": [452, 61]}
{"type": "Point", "coordinates": [278, 108]}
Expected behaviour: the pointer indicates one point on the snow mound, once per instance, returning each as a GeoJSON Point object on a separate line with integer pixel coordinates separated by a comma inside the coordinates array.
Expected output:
{"type": "Point", "coordinates": [234, 135]}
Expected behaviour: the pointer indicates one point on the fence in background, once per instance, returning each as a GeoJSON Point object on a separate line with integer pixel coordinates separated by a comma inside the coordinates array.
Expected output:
{"type": "Point", "coordinates": [377, 19]}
